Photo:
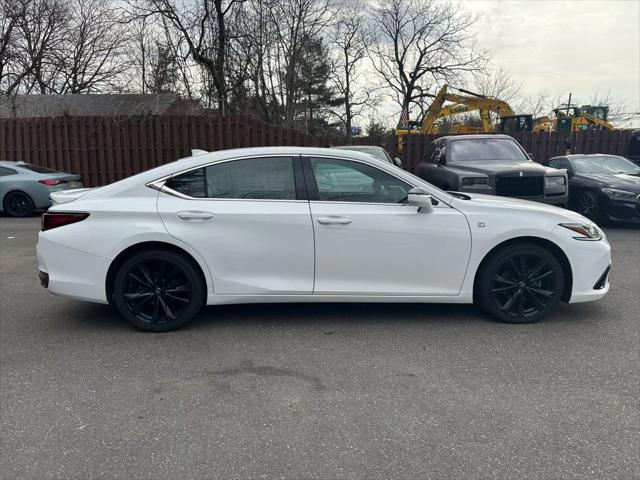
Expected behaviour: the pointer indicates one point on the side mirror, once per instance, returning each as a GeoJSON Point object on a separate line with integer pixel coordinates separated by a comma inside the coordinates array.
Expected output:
{"type": "Point", "coordinates": [570, 172]}
{"type": "Point", "coordinates": [419, 197]}
{"type": "Point", "coordinates": [397, 162]}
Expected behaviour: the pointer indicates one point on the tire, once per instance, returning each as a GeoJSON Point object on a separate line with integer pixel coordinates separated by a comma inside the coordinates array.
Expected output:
{"type": "Point", "coordinates": [589, 205]}
{"type": "Point", "coordinates": [158, 290]}
{"type": "Point", "coordinates": [18, 204]}
{"type": "Point", "coordinates": [520, 283]}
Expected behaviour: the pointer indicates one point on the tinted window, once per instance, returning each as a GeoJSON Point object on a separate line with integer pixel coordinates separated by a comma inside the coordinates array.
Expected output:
{"type": "Point", "coordinates": [346, 181]}
{"type": "Point", "coordinates": [559, 163]}
{"type": "Point", "coordinates": [255, 178]}
{"type": "Point", "coordinates": [37, 168]}
{"type": "Point", "coordinates": [485, 149]}
{"type": "Point", "coordinates": [4, 171]}
{"type": "Point", "coordinates": [604, 165]}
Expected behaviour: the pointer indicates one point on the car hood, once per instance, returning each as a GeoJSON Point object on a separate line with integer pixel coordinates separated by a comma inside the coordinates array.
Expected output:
{"type": "Point", "coordinates": [619, 180]}
{"type": "Point", "coordinates": [479, 201]}
{"type": "Point", "coordinates": [498, 166]}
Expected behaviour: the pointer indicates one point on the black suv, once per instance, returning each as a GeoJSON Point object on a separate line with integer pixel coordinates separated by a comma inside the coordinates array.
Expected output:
{"type": "Point", "coordinates": [494, 165]}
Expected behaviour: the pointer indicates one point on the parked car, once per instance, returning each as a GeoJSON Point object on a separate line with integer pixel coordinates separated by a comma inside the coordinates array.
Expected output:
{"type": "Point", "coordinates": [602, 187]}
{"type": "Point", "coordinates": [378, 152]}
{"type": "Point", "coordinates": [491, 164]}
{"type": "Point", "coordinates": [25, 187]}
{"type": "Point", "coordinates": [293, 224]}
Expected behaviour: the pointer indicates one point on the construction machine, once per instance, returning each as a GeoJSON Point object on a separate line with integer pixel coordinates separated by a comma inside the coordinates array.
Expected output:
{"type": "Point", "coordinates": [485, 106]}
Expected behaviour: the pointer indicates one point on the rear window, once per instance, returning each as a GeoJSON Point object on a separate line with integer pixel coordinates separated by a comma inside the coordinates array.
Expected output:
{"type": "Point", "coordinates": [485, 149]}
{"type": "Point", "coordinates": [36, 168]}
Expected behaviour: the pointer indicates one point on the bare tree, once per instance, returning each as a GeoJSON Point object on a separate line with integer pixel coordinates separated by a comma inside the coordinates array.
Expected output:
{"type": "Point", "coordinates": [203, 26]}
{"type": "Point", "coordinates": [419, 43]}
{"type": "Point", "coordinates": [498, 84]}
{"type": "Point", "coordinates": [92, 56]}
{"type": "Point", "coordinates": [38, 32]}
{"type": "Point", "coordinates": [350, 44]}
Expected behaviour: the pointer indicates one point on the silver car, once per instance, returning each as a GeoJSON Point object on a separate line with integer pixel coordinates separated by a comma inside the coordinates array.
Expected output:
{"type": "Point", "coordinates": [378, 152]}
{"type": "Point", "coordinates": [25, 187]}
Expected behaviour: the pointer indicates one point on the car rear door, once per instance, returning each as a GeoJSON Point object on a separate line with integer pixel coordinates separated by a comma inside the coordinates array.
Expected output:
{"type": "Point", "coordinates": [249, 219]}
{"type": "Point", "coordinates": [370, 242]}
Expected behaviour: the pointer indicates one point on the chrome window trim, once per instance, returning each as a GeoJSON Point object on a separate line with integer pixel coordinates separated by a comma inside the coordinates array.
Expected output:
{"type": "Point", "coordinates": [159, 183]}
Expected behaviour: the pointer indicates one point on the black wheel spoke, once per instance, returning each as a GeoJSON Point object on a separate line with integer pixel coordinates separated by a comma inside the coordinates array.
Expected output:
{"type": "Point", "coordinates": [166, 308]}
{"type": "Point", "coordinates": [536, 300]}
{"type": "Point", "coordinates": [136, 296]}
{"type": "Point", "coordinates": [540, 291]}
{"type": "Point", "coordinates": [500, 278]}
{"type": "Point", "coordinates": [174, 297]}
{"type": "Point", "coordinates": [138, 308]}
{"type": "Point", "coordinates": [504, 289]}
{"type": "Point", "coordinates": [157, 291]}
{"type": "Point", "coordinates": [523, 284]}
{"type": "Point", "coordinates": [542, 276]}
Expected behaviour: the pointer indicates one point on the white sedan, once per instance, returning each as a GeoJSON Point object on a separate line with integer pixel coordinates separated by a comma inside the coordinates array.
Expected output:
{"type": "Point", "coordinates": [289, 224]}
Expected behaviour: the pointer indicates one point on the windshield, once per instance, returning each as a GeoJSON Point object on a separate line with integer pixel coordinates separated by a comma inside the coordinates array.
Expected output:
{"type": "Point", "coordinates": [608, 165]}
{"type": "Point", "coordinates": [468, 150]}
{"type": "Point", "coordinates": [36, 168]}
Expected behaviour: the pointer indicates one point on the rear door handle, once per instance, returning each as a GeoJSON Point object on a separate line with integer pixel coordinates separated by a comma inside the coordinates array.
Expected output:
{"type": "Point", "coordinates": [194, 215]}
{"type": "Point", "coordinates": [334, 221]}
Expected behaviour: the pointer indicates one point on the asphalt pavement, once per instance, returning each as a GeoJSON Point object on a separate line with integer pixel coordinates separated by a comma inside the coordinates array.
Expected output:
{"type": "Point", "coordinates": [317, 391]}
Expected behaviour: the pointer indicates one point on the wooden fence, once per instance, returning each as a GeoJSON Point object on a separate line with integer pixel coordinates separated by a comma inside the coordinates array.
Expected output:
{"type": "Point", "coordinates": [106, 149]}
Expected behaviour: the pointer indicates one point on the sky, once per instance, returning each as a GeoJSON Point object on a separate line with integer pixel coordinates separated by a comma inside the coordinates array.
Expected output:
{"type": "Point", "coordinates": [563, 46]}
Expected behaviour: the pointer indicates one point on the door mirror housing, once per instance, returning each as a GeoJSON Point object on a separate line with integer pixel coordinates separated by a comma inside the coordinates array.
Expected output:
{"type": "Point", "coordinates": [419, 197]}
{"type": "Point", "coordinates": [397, 162]}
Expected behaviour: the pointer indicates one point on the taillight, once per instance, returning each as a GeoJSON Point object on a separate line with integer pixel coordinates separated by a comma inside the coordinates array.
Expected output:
{"type": "Point", "coordinates": [51, 183]}
{"type": "Point", "coordinates": [60, 219]}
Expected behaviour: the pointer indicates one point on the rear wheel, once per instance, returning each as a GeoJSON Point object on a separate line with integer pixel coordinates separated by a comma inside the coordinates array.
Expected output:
{"type": "Point", "coordinates": [18, 204]}
{"type": "Point", "coordinates": [158, 290]}
{"type": "Point", "coordinates": [520, 284]}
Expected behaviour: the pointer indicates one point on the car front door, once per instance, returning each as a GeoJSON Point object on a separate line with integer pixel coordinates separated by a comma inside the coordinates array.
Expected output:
{"type": "Point", "coordinates": [369, 241]}
{"type": "Point", "coordinates": [250, 222]}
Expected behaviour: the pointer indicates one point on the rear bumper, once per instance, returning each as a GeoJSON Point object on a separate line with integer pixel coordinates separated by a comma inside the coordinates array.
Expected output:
{"type": "Point", "coordinates": [70, 272]}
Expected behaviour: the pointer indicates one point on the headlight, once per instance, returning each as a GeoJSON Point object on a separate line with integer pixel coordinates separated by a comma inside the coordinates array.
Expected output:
{"type": "Point", "coordinates": [587, 232]}
{"type": "Point", "coordinates": [613, 193]}
{"type": "Point", "coordinates": [549, 181]}
{"type": "Point", "coordinates": [473, 181]}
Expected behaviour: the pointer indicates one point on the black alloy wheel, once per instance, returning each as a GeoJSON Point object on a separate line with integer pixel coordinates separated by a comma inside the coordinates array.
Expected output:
{"type": "Point", "coordinates": [158, 290]}
{"type": "Point", "coordinates": [18, 204]}
{"type": "Point", "coordinates": [589, 205]}
{"type": "Point", "coordinates": [520, 284]}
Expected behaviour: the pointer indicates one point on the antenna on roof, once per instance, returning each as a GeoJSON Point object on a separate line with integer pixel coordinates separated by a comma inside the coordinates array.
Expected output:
{"type": "Point", "coordinates": [196, 151]}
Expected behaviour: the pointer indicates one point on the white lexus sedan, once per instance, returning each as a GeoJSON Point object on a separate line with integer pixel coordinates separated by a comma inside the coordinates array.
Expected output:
{"type": "Point", "coordinates": [289, 224]}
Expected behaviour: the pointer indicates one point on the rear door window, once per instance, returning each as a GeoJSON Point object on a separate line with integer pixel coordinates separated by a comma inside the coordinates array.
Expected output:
{"type": "Point", "coordinates": [266, 178]}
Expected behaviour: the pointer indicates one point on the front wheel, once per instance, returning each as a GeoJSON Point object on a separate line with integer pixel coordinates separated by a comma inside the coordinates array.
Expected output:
{"type": "Point", "coordinates": [589, 206]}
{"type": "Point", "coordinates": [520, 283]}
{"type": "Point", "coordinates": [158, 290]}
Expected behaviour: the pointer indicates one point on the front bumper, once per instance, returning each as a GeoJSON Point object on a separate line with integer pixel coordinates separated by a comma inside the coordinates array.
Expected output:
{"type": "Point", "coordinates": [623, 210]}
{"type": "Point", "coordinates": [590, 263]}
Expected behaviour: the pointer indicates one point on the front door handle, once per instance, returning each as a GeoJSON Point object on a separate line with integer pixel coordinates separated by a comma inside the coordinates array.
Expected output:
{"type": "Point", "coordinates": [194, 215]}
{"type": "Point", "coordinates": [334, 221]}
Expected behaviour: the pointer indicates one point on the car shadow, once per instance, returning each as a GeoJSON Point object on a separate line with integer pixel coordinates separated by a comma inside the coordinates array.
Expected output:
{"type": "Point", "coordinates": [103, 317]}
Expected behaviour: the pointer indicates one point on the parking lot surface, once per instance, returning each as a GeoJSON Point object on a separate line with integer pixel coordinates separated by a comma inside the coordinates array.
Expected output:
{"type": "Point", "coordinates": [317, 391]}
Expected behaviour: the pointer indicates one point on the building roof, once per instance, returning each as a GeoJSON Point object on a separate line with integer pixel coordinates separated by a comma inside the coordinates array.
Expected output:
{"type": "Point", "coordinates": [89, 105]}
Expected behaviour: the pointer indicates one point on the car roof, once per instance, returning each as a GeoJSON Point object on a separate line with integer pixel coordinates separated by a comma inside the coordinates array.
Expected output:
{"type": "Point", "coordinates": [9, 163]}
{"type": "Point", "coordinates": [575, 155]}
{"type": "Point", "coordinates": [476, 136]}
{"type": "Point", "coordinates": [358, 147]}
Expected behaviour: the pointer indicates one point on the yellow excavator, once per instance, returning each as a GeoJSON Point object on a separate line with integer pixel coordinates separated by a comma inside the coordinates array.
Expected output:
{"type": "Point", "coordinates": [509, 121]}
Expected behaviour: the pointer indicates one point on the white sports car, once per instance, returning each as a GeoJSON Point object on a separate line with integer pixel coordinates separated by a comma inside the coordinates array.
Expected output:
{"type": "Point", "coordinates": [289, 224]}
